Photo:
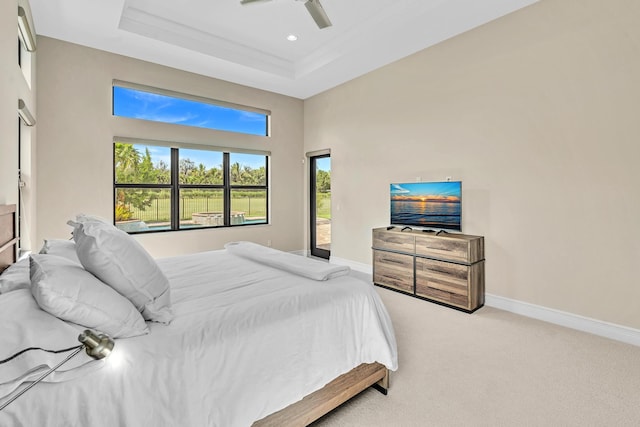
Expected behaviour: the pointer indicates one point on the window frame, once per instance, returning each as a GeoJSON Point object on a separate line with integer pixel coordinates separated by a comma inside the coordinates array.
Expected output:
{"type": "Point", "coordinates": [175, 186]}
{"type": "Point", "coordinates": [193, 98]}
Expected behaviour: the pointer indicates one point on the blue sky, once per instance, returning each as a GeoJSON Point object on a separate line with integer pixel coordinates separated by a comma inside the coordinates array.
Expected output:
{"type": "Point", "coordinates": [209, 159]}
{"type": "Point", "coordinates": [324, 163]}
{"type": "Point", "coordinates": [452, 188]}
{"type": "Point", "coordinates": [161, 108]}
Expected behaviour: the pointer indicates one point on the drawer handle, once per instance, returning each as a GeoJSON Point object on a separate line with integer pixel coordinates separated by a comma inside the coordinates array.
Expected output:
{"type": "Point", "coordinates": [439, 249]}
{"type": "Point", "coordinates": [391, 260]}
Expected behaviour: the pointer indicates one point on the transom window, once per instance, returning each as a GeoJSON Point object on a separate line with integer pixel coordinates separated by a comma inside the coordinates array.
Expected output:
{"type": "Point", "coordinates": [159, 188]}
{"type": "Point", "coordinates": [158, 105]}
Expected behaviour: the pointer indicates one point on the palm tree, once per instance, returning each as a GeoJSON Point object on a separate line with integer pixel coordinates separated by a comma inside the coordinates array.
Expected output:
{"type": "Point", "coordinates": [127, 159]}
{"type": "Point", "coordinates": [187, 166]}
{"type": "Point", "coordinates": [236, 173]}
{"type": "Point", "coordinates": [214, 175]}
{"type": "Point", "coordinates": [128, 164]}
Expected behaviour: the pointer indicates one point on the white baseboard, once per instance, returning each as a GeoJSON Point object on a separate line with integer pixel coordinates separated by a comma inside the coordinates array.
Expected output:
{"type": "Point", "coordinates": [574, 321]}
{"type": "Point", "coordinates": [357, 266]}
{"type": "Point", "coordinates": [569, 320]}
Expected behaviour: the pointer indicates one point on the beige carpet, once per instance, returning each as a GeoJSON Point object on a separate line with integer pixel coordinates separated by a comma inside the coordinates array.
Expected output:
{"type": "Point", "coordinates": [494, 368]}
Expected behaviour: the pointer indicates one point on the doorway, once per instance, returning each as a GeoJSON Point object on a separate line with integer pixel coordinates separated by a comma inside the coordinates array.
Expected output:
{"type": "Point", "coordinates": [320, 207]}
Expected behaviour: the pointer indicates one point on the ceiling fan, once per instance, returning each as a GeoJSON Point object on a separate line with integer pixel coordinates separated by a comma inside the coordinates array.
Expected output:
{"type": "Point", "coordinates": [313, 6]}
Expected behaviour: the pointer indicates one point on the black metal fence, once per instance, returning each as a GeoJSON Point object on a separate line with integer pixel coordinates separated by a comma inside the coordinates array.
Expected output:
{"type": "Point", "coordinates": [160, 208]}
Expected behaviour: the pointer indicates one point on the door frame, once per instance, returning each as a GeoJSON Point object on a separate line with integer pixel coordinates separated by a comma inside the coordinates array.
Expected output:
{"type": "Point", "coordinates": [314, 250]}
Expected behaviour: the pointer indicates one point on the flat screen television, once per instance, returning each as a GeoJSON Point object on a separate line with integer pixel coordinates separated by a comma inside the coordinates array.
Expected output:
{"type": "Point", "coordinates": [429, 205]}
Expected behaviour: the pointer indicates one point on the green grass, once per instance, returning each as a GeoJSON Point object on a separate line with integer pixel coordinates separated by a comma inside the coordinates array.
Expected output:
{"type": "Point", "coordinates": [160, 209]}
{"type": "Point", "coordinates": [323, 205]}
{"type": "Point", "coordinates": [253, 207]}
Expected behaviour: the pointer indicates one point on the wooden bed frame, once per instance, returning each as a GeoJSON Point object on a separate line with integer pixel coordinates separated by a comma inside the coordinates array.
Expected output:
{"type": "Point", "coordinates": [301, 413]}
{"type": "Point", "coordinates": [334, 394]}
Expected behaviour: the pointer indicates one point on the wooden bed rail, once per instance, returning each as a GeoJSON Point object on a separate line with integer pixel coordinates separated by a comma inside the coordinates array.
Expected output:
{"type": "Point", "coordinates": [321, 402]}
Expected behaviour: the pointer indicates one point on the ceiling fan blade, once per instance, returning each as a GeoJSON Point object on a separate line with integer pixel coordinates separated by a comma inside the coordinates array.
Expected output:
{"type": "Point", "coordinates": [318, 14]}
{"type": "Point", "coordinates": [243, 2]}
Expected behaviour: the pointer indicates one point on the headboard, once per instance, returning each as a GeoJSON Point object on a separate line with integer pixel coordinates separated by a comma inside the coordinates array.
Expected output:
{"type": "Point", "coordinates": [8, 236]}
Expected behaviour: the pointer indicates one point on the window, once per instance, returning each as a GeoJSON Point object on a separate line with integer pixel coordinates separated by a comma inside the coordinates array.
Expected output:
{"type": "Point", "coordinates": [159, 188]}
{"type": "Point", "coordinates": [158, 105]}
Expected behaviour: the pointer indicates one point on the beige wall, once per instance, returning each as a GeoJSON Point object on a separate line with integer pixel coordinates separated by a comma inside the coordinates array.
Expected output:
{"type": "Point", "coordinates": [15, 85]}
{"type": "Point", "coordinates": [75, 145]}
{"type": "Point", "coordinates": [9, 88]}
{"type": "Point", "coordinates": [537, 114]}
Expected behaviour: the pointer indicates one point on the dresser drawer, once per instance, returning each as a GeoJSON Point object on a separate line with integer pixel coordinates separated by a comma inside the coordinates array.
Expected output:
{"type": "Point", "coordinates": [454, 249]}
{"type": "Point", "coordinates": [393, 270]}
{"type": "Point", "coordinates": [443, 281]}
{"type": "Point", "coordinates": [393, 241]}
{"type": "Point", "coordinates": [449, 298]}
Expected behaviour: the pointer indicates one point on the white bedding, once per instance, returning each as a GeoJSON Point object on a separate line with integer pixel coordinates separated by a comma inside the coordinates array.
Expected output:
{"type": "Point", "coordinates": [246, 341]}
{"type": "Point", "coordinates": [42, 331]}
{"type": "Point", "coordinates": [301, 266]}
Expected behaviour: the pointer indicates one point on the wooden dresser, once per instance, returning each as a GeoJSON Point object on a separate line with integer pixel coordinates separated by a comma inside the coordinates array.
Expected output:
{"type": "Point", "coordinates": [447, 268]}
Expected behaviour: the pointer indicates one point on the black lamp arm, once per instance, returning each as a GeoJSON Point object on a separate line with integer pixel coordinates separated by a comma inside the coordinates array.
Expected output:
{"type": "Point", "coordinates": [96, 345]}
{"type": "Point", "coordinates": [41, 377]}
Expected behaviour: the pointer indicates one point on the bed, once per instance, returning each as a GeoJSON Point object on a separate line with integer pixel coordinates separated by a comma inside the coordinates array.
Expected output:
{"type": "Point", "coordinates": [247, 343]}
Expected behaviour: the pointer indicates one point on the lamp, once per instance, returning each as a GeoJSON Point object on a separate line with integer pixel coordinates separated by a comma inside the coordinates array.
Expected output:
{"type": "Point", "coordinates": [25, 114]}
{"type": "Point", "coordinates": [96, 345]}
{"type": "Point", "coordinates": [26, 32]}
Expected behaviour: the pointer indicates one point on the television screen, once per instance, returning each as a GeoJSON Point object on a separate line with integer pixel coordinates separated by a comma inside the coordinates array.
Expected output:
{"type": "Point", "coordinates": [435, 205]}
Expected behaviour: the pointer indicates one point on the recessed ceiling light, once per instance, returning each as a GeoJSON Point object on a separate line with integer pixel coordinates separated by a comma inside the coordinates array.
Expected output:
{"type": "Point", "coordinates": [292, 37]}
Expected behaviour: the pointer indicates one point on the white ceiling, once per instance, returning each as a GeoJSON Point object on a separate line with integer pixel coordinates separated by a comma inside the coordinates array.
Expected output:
{"type": "Point", "coordinates": [248, 45]}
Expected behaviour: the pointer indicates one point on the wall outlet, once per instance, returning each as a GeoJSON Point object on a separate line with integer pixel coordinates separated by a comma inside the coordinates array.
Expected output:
{"type": "Point", "coordinates": [269, 243]}
{"type": "Point", "coordinates": [418, 179]}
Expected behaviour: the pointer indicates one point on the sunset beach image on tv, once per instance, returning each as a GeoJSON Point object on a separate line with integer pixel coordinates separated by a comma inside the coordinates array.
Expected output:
{"type": "Point", "coordinates": [436, 205]}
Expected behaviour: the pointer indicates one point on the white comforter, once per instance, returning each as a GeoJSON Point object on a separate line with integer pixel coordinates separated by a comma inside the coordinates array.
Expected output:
{"type": "Point", "coordinates": [301, 266]}
{"type": "Point", "coordinates": [246, 341]}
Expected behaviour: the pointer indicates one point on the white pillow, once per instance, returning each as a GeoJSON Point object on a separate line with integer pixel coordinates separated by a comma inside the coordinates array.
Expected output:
{"type": "Point", "coordinates": [63, 248]}
{"type": "Point", "coordinates": [68, 291]}
{"type": "Point", "coordinates": [16, 276]}
{"type": "Point", "coordinates": [121, 262]}
{"type": "Point", "coordinates": [88, 218]}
